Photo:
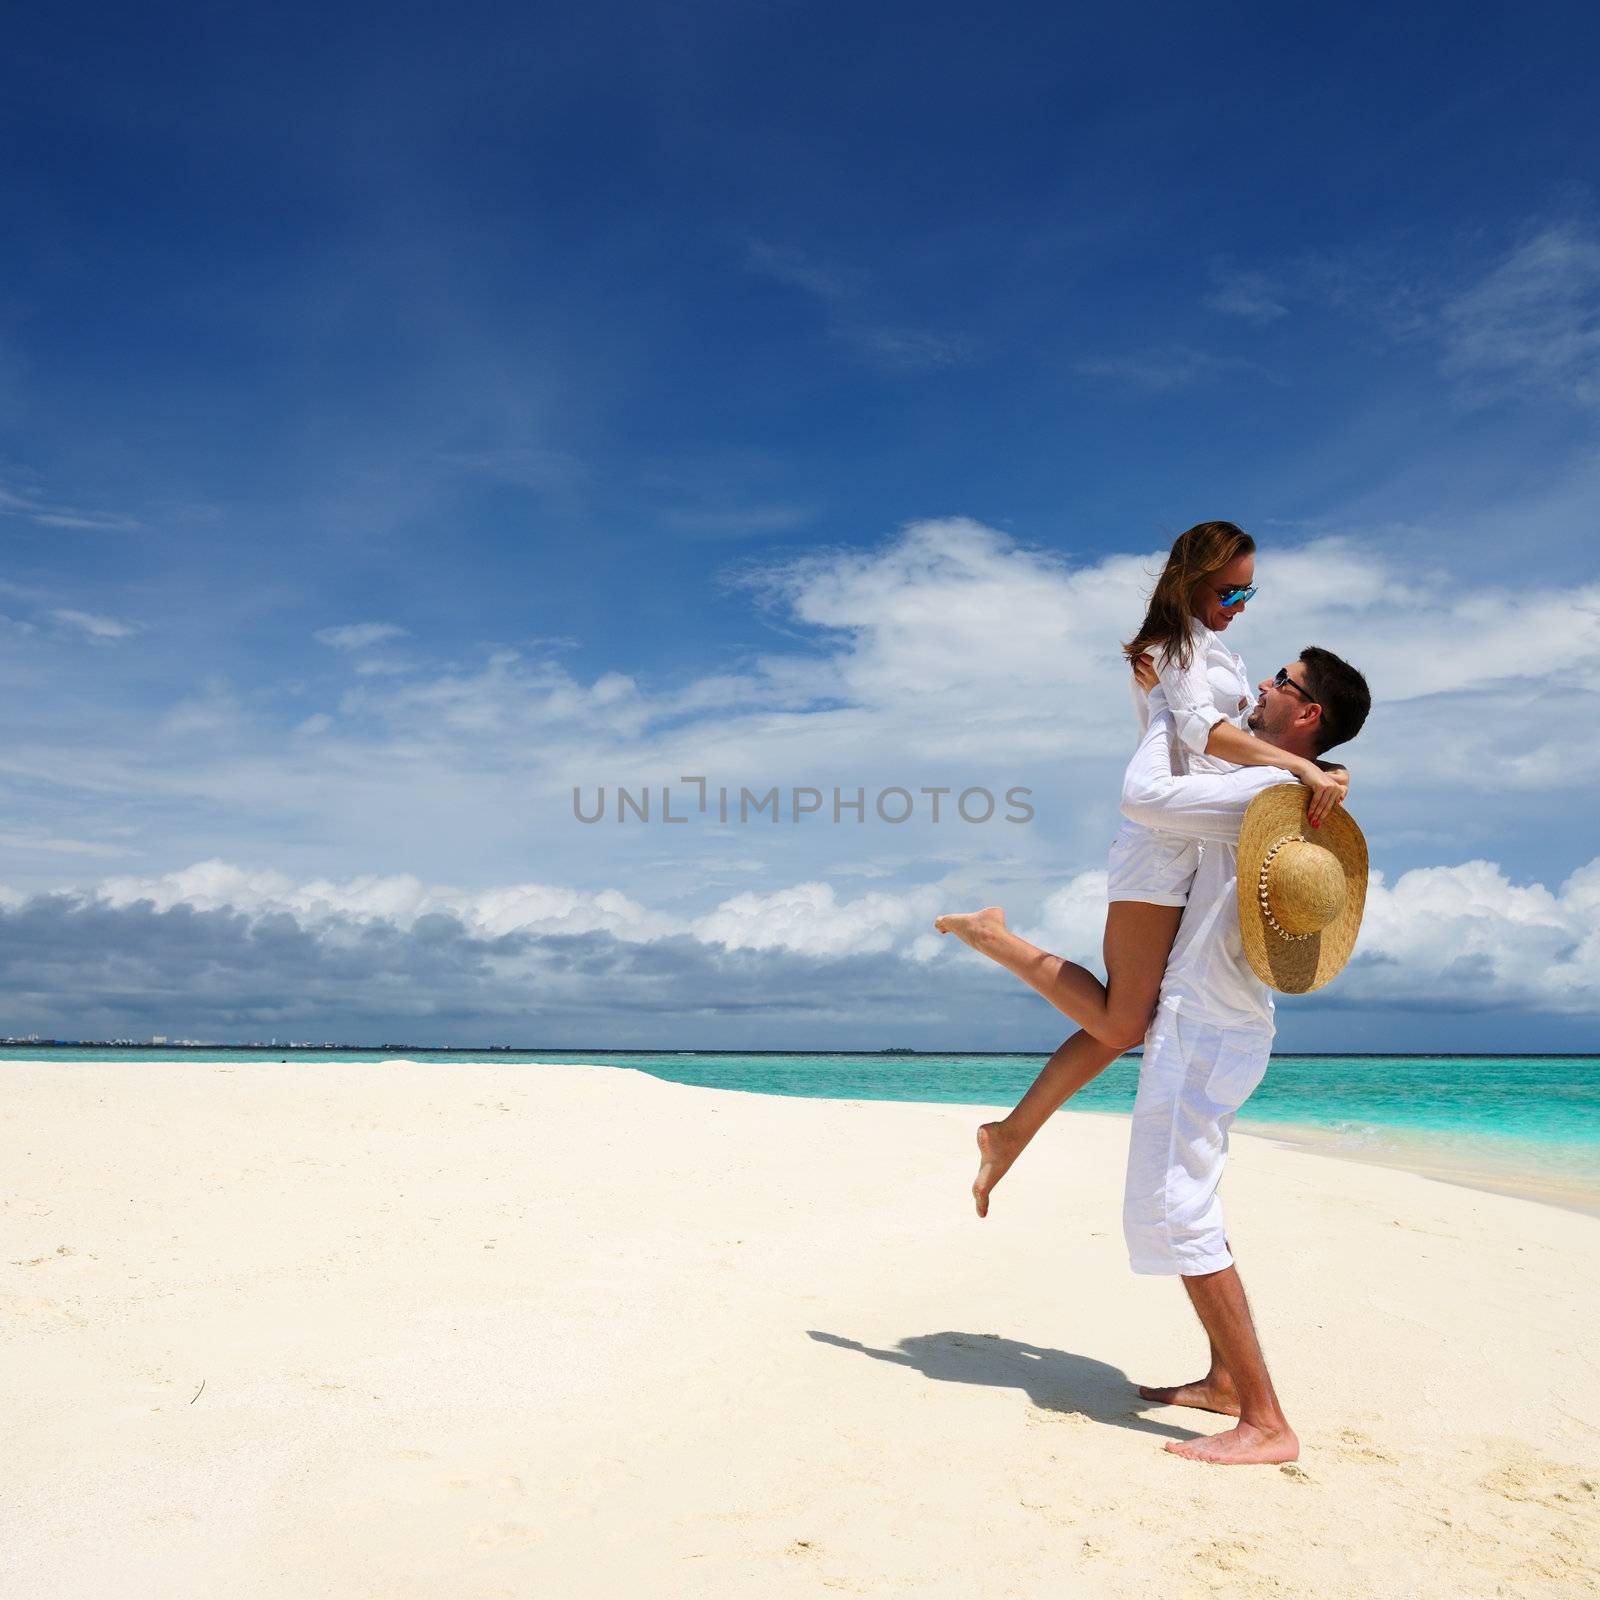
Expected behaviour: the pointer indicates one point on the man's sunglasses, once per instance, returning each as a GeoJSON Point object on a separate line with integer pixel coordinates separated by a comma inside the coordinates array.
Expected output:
{"type": "Point", "coordinates": [1282, 680]}
{"type": "Point", "coordinates": [1234, 597]}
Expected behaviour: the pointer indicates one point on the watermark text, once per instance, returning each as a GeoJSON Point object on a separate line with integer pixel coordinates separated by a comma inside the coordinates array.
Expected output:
{"type": "Point", "coordinates": [894, 804]}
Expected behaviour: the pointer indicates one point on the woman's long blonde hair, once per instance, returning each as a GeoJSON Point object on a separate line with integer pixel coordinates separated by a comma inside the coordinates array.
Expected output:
{"type": "Point", "coordinates": [1205, 548]}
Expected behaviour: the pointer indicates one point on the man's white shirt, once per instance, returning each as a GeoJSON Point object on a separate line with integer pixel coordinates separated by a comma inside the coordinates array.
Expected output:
{"type": "Point", "coordinates": [1207, 974]}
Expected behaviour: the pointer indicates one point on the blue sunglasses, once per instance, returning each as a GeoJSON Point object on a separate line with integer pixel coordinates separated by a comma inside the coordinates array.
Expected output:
{"type": "Point", "coordinates": [1234, 597]}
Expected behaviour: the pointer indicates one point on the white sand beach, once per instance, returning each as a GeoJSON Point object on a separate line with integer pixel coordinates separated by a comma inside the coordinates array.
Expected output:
{"type": "Point", "coordinates": [365, 1333]}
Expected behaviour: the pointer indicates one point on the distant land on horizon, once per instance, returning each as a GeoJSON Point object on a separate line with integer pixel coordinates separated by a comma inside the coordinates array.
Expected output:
{"type": "Point", "coordinates": [669, 1050]}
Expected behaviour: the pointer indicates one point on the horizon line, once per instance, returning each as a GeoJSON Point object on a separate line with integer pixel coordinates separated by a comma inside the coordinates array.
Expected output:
{"type": "Point", "coordinates": [646, 1050]}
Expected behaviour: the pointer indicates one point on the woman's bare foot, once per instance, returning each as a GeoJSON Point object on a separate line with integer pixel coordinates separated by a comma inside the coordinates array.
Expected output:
{"type": "Point", "coordinates": [972, 927]}
{"type": "Point", "coordinates": [1206, 1395]}
{"type": "Point", "coordinates": [996, 1151]}
{"type": "Point", "coordinates": [1241, 1447]}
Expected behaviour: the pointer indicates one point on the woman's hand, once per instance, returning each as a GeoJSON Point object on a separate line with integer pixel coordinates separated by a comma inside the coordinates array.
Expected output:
{"type": "Point", "coordinates": [1144, 669]}
{"type": "Point", "coordinates": [1328, 790]}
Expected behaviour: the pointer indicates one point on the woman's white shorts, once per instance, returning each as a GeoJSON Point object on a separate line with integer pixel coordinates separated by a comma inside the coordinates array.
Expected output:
{"type": "Point", "coordinates": [1156, 868]}
{"type": "Point", "coordinates": [1193, 1079]}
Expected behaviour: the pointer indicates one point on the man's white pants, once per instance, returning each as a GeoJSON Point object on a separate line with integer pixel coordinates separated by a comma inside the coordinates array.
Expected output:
{"type": "Point", "coordinates": [1193, 1079]}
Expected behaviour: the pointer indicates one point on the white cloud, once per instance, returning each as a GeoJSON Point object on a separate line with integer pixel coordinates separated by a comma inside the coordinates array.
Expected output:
{"type": "Point", "coordinates": [952, 642]}
{"type": "Point", "coordinates": [808, 919]}
{"type": "Point", "coordinates": [1467, 936]}
{"type": "Point", "coordinates": [1163, 371]}
{"type": "Point", "coordinates": [358, 635]}
{"type": "Point", "coordinates": [1464, 936]}
{"type": "Point", "coordinates": [1071, 921]}
{"type": "Point", "coordinates": [215, 710]}
{"type": "Point", "coordinates": [85, 521]}
{"type": "Point", "coordinates": [399, 899]}
{"type": "Point", "coordinates": [953, 632]}
{"type": "Point", "coordinates": [524, 467]}
{"type": "Point", "coordinates": [1527, 319]}
{"type": "Point", "coordinates": [96, 627]}
{"type": "Point", "coordinates": [1414, 632]}
{"type": "Point", "coordinates": [783, 264]}
{"type": "Point", "coordinates": [953, 638]}
{"type": "Point", "coordinates": [1251, 295]}
{"type": "Point", "coordinates": [737, 521]}
{"type": "Point", "coordinates": [891, 347]}
{"type": "Point", "coordinates": [1534, 319]}
{"type": "Point", "coordinates": [897, 349]}
{"type": "Point", "coordinates": [61, 846]}
{"type": "Point", "coordinates": [548, 908]}
{"type": "Point", "coordinates": [37, 508]}
{"type": "Point", "coordinates": [948, 654]}
{"type": "Point", "coordinates": [507, 696]}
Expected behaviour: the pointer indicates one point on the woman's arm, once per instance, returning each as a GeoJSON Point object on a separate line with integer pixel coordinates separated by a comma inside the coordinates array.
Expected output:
{"type": "Point", "coordinates": [1233, 744]}
{"type": "Point", "coordinates": [1328, 788]}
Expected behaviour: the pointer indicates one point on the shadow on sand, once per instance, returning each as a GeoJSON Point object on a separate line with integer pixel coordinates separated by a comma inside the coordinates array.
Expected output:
{"type": "Point", "coordinates": [1054, 1380]}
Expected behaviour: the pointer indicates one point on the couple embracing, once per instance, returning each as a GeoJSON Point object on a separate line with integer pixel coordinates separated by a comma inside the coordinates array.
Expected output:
{"type": "Point", "coordinates": [1227, 880]}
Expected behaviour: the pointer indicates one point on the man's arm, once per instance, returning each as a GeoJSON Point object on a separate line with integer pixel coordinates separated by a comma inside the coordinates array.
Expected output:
{"type": "Point", "coordinates": [1201, 806]}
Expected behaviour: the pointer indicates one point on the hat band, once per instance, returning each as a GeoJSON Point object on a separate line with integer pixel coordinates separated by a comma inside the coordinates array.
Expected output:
{"type": "Point", "coordinates": [1261, 889]}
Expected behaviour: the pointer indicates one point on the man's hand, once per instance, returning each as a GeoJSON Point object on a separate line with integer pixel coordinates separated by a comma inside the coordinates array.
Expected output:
{"type": "Point", "coordinates": [1144, 669]}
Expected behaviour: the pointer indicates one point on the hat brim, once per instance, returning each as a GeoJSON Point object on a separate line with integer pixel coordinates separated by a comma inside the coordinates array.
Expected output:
{"type": "Point", "coordinates": [1297, 966]}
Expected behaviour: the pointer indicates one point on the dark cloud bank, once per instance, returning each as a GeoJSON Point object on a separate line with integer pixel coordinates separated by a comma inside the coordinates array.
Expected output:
{"type": "Point", "coordinates": [76, 969]}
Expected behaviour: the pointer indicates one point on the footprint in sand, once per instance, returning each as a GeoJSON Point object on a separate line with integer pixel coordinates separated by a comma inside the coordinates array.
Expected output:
{"type": "Point", "coordinates": [1225, 1555]}
{"type": "Point", "coordinates": [1536, 1480]}
{"type": "Point", "coordinates": [506, 1482]}
{"type": "Point", "coordinates": [39, 1261]}
{"type": "Point", "coordinates": [49, 1308]}
{"type": "Point", "coordinates": [1414, 1227]}
{"type": "Point", "coordinates": [1046, 1414]}
{"type": "Point", "coordinates": [1358, 1447]}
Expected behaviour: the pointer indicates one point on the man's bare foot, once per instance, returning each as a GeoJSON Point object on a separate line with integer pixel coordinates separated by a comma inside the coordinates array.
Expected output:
{"type": "Point", "coordinates": [972, 927]}
{"type": "Point", "coordinates": [1204, 1396]}
{"type": "Point", "coordinates": [996, 1152]}
{"type": "Point", "coordinates": [1241, 1446]}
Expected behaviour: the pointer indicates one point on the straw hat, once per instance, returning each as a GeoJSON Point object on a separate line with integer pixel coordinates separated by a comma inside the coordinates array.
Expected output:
{"type": "Point", "coordinates": [1301, 889]}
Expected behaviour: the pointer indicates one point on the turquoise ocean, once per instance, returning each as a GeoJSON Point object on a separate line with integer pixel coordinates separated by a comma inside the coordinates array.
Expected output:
{"type": "Point", "coordinates": [1523, 1124]}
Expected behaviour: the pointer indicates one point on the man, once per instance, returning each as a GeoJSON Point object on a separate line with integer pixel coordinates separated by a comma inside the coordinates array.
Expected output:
{"type": "Point", "coordinates": [1205, 1052]}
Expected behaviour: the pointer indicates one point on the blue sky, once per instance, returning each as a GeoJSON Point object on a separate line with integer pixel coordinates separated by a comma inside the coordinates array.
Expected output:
{"type": "Point", "coordinates": [407, 414]}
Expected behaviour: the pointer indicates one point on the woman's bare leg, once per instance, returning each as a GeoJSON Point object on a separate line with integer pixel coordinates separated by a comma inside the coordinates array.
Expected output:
{"type": "Point", "coordinates": [1080, 1059]}
{"type": "Point", "coordinates": [1138, 941]}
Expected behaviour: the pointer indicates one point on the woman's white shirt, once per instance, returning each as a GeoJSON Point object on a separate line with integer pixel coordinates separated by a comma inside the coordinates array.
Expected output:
{"type": "Point", "coordinates": [1213, 688]}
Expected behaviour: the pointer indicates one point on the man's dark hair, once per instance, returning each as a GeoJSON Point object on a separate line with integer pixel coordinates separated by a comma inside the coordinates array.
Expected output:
{"type": "Point", "coordinates": [1342, 693]}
